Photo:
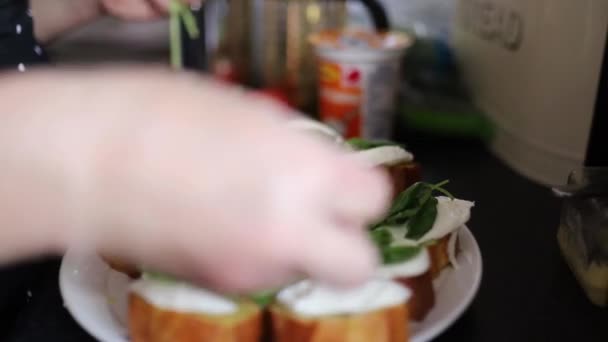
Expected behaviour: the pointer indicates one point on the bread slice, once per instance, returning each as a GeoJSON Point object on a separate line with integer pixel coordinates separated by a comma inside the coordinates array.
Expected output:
{"type": "Point", "coordinates": [148, 323]}
{"type": "Point", "coordinates": [414, 274]}
{"type": "Point", "coordinates": [121, 266]}
{"type": "Point", "coordinates": [310, 312]}
{"type": "Point", "coordinates": [403, 176]}
{"type": "Point", "coordinates": [440, 255]}
{"type": "Point", "coordinates": [385, 325]}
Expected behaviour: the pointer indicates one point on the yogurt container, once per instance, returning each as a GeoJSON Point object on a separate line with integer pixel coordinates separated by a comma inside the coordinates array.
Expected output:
{"type": "Point", "coordinates": [359, 75]}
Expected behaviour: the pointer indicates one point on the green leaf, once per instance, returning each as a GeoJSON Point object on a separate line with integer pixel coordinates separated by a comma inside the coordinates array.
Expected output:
{"type": "Point", "coordinates": [363, 144]}
{"type": "Point", "coordinates": [401, 218]}
{"type": "Point", "coordinates": [423, 221]}
{"type": "Point", "coordinates": [381, 237]}
{"type": "Point", "coordinates": [399, 254]}
{"type": "Point", "coordinates": [263, 298]}
{"type": "Point", "coordinates": [175, 34]}
{"type": "Point", "coordinates": [180, 13]}
{"type": "Point", "coordinates": [405, 205]}
{"type": "Point", "coordinates": [189, 22]}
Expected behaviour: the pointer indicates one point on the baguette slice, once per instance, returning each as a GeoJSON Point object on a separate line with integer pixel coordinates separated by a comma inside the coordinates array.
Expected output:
{"type": "Point", "coordinates": [120, 266]}
{"type": "Point", "coordinates": [440, 254]}
{"type": "Point", "coordinates": [414, 274]}
{"type": "Point", "coordinates": [386, 323]}
{"type": "Point", "coordinates": [403, 176]}
{"type": "Point", "coordinates": [148, 323]}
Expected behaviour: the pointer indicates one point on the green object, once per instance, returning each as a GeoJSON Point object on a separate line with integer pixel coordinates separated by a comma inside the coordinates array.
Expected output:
{"type": "Point", "coordinates": [263, 298]}
{"type": "Point", "coordinates": [399, 254]}
{"type": "Point", "coordinates": [363, 144]}
{"type": "Point", "coordinates": [423, 221]}
{"type": "Point", "coordinates": [465, 124]}
{"type": "Point", "coordinates": [180, 14]}
{"type": "Point", "coordinates": [410, 202]}
{"type": "Point", "coordinates": [381, 237]}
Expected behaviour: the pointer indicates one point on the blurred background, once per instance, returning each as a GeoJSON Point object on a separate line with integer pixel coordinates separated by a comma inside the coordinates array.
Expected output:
{"type": "Point", "coordinates": [521, 76]}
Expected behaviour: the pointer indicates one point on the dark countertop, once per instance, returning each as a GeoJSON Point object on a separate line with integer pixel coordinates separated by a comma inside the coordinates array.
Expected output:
{"type": "Point", "coordinates": [527, 292]}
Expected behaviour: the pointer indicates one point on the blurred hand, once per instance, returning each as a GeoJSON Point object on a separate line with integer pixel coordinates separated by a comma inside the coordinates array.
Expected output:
{"type": "Point", "coordinates": [206, 183]}
{"type": "Point", "coordinates": [139, 9]}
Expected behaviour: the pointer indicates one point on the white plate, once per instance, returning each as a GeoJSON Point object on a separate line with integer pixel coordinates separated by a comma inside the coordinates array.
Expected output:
{"type": "Point", "coordinates": [96, 296]}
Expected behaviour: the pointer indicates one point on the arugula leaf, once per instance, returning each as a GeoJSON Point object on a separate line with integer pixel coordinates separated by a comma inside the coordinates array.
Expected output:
{"type": "Point", "coordinates": [263, 298]}
{"type": "Point", "coordinates": [362, 144]}
{"type": "Point", "coordinates": [381, 237]}
{"type": "Point", "coordinates": [399, 254]}
{"type": "Point", "coordinates": [401, 218]}
{"type": "Point", "coordinates": [423, 221]}
{"type": "Point", "coordinates": [405, 205]}
{"type": "Point", "coordinates": [408, 198]}
{"type": "Point", "coordinates": [180, 14]}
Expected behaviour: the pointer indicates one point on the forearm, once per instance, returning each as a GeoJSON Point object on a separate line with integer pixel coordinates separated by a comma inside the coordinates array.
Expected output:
{"type": "Point", "coordinates": [67, 143]}
{"type": "Point", "coordinates": [55, 128]}
{"type": "Point", "coordinates": [54, 17]}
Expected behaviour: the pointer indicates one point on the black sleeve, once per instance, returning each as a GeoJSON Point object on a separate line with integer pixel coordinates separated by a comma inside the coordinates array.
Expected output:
{"type": "Point", "coordinates": [18, 47]}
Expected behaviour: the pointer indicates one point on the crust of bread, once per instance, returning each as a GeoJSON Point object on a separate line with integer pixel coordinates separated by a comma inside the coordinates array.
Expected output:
{"type": "Point", "coordinates": [440, 257]}
{"type": "Point", "coordinates": [387, 325]}
{"type": "Point", "coordinates": [148, 323]}
{"type": "Point", "coordinates": [423, 295]}
{"type": "Point", "coordinates": [404, 175]}
{"type": "Point", "coordinates": [120, 266]}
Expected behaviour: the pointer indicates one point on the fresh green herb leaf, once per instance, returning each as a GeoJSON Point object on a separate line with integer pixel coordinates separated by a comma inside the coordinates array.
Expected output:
{"type": "Point", "coordinates": [180, 13]}
{"type": "Point", "coordinates": [409, 198]}
{"type": "Point", "coordinates": [423, 221]}
{"type": "Point", "coordinates": [401, 218]}
{"type": "Point", "coordinates": [405, 205]}
{"type": "Point", "coordinates": [439, 187]}
{"type": "Point", "coordinates": [399, 254]}
{"type": "Point", "coordinates": [363, 144]}
{"type": "Point", "coordinates": [189, 22]}
{"type": "Point", "coordinates": [263, 298]}
{"type": "Point", "coordinates": [381, 237]}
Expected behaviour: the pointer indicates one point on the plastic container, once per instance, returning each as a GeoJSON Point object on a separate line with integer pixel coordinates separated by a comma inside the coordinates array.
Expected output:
{"type": "Point", "coordinates": [359, 78]}
{"type": "Point", "coordinates": [583, 232]}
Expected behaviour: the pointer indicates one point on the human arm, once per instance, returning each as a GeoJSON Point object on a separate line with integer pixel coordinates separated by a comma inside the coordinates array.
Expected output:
{"type": "Point", "coordinates": [55, 17]}
{"type": "Point", "coordinates": [179, 174]}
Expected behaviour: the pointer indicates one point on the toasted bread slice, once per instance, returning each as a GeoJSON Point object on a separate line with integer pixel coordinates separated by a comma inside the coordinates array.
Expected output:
{"type": "Point", "coordinates": [423, 295]}
{"type": "Point", "coordinates": [404, 175]}
{"type": "Point", "coordinates": [414, 274]}
{"type": "Point", "coordinates": [120, 266]}
{"type": "Point", "coordinates": [440, 255]}
{"type": "Point", "coordinates": [385, 325]}
{"type": "Point", "coordinates": [148, 323]}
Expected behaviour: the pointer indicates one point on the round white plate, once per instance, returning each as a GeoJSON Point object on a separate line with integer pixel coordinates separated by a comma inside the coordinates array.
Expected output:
{"type": "Point", "coordinates": [97, 296]}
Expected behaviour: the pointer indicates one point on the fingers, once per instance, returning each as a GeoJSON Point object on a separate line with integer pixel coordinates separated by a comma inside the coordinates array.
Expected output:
{"type": "Point", "coordinates": [141, 9]}
{"type": "Point", "coordinates": [339, 257]}
{"type": "Point", "coordinates": [164, 4]}
{"type": "Point", "coordinates": [341, 188]}
{"type": "Point", "coordinates": [360, 195]}
{"type": "Point", "coordinates": [131, 10]}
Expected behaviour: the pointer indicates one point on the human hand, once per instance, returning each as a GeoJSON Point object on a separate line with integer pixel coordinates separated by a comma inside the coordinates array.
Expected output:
{"type": "Point", "coordinates": [191, 178]}
{"type": "Point", "coordinates": [139, 9]}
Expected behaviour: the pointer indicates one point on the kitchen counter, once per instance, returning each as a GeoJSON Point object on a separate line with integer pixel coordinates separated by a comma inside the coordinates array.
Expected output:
{"type": "Point", "coordinates": [527, 292]}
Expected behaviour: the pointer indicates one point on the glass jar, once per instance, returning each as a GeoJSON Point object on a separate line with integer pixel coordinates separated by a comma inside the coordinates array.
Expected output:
{"type": "Point", "coordinates": [583, 231]}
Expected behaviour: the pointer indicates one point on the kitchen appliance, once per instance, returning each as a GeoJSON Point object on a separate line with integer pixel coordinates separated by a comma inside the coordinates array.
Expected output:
{"type": "Point", "coordinates": [535, 68]}
{"type": "Point", "coordinates": [264, 43]}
